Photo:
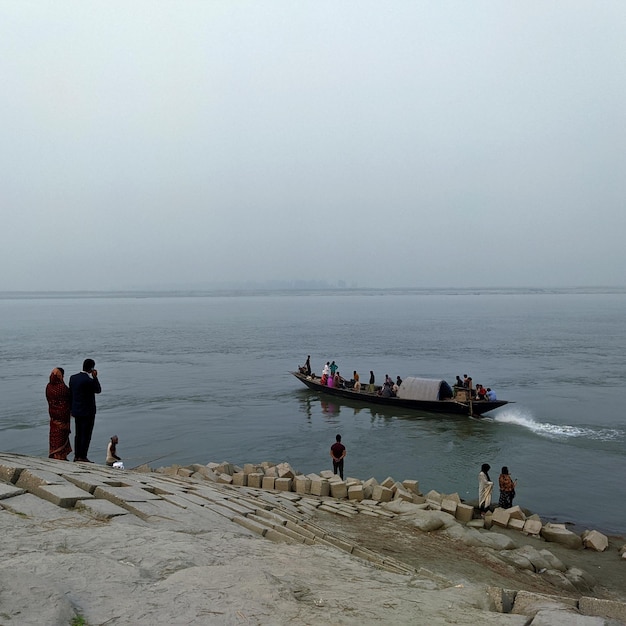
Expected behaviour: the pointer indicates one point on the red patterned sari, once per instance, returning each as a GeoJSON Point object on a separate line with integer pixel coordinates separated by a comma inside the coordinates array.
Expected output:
{"type": "Point", "coordinates": [58, 396]}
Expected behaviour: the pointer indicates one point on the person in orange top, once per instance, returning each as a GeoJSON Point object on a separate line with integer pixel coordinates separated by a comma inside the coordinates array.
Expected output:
{"type": "Point", "coordinates": [507, 489]}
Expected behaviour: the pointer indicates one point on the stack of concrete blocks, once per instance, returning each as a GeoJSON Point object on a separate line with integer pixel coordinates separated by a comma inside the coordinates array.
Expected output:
{"type": "Point", "coordinates": [282, 477]}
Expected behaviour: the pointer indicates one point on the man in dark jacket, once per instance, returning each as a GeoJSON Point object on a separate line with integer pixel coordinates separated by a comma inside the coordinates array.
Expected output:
{"type": "Point", "coordinates": [83, 389]}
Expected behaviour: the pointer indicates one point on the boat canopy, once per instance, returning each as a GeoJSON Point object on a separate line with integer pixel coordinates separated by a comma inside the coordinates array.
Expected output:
{"type": "Point", "coordinates": [429, 389]}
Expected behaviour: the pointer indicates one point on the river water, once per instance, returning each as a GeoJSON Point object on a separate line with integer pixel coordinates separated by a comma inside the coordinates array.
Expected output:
{"type": "Point", "coordinates": [201, 377]}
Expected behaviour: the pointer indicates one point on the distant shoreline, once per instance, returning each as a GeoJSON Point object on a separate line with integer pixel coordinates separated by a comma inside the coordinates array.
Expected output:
{"type": "Point", "coordinates": [261, 290]}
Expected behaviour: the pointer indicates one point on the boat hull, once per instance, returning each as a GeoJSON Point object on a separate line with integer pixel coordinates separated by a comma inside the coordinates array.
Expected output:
{"type": "Point", "coordinates": [449, 406]}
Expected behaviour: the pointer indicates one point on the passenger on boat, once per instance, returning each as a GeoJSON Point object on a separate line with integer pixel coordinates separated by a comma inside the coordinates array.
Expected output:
{"type": "Point", "coordinates": [398, 381]}
{"type": "Point", "coordinates": [370, 387]}
{"type": "Point", "coordinates": [491, 395]}
{"type": "Point", "coordinates": [333, 368]}
{"type": "Point", "coordinates": [330, 381]}
{"type": "Point", "coordinates": [481, 392]}
{"type": "Point", "coordinates": [307, 365]}
{"type": "Point", "coordinates": [324, 379]}
{"type": "Point", "coordinates": [466, 380]}
{"type": "Point", "coordinates": [387, 391]}
{"type": "Point", "coordinates": [459, 382]}
{"type": "Point", "coordinates": [326, 369]}
{"type": "Point", "coordinates": [337, 380]}
{"type": "Point", "coordinates": [357, 384]}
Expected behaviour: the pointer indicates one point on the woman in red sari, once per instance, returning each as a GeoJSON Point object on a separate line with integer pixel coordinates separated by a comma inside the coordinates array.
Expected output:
{"type": "Point", "coordinates": [58, 396]}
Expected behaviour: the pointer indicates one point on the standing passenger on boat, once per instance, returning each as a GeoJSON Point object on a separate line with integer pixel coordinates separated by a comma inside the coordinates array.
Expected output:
{"type": "Point", "coordinates": [357, 383]}
{"type": "Point", "coordinates": [370, 387]}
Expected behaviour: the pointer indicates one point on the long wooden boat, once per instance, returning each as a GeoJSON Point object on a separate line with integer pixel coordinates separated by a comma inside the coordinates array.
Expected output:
{"type": "Point", "coordinates": [424, 394]}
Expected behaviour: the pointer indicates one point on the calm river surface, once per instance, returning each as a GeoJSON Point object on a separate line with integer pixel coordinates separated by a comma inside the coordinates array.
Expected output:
{"type": "Point", "coordinates": [204, 377]}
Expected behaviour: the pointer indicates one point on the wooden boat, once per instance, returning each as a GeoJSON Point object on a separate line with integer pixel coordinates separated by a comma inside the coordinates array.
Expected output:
{"type": "Point", "coordinates": [424, 394]}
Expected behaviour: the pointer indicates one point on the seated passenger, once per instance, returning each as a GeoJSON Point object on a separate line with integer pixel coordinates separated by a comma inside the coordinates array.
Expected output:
{"type": "Point", "coordinates": [491, 395]}
{"type": "Point", "coordinates": [459, 382]}
{"type": "Point", "coordinates": [324, 379]}
{"type": "Point", "coordinates": [387, 392]}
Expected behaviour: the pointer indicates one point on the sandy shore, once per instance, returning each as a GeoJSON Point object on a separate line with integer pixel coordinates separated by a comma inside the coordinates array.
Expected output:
{"type": "Point", "coordinates": [111, 546]}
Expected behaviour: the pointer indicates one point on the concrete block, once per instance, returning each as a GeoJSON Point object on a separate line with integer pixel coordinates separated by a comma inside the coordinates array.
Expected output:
{"type": "Point", "coordinates": [65, 496]}
{"type": "Point", "coordinates": [452, 496]}
{"type": "Point", "coordinates": [558, 533]}
{"type": "Point", "coordinates": [595, 540]}
{"type": "Point", "coordinates": [123, 495]}
{"type": "Point", "coordinates": [380, 493]}
{"type": "Point", "coordinates": [7, 491]}
{"type": "Point", "coordinates": [268, 482]}
{"type": "Point", "coordinates": [402, 494]}
{"type": "Point", "coordinates": [338, 489]}
{"type": "Point", "coordinates": [464, 513]}
{"type": "Point", "coordinates": [10, 470]}
{"type": "Point", "coordinates": [240, 479]}
{"type": "Point", "coordinates": [302, 484]}
{"type": "Point", "coordinates": [389, 482]}
{"type": "Point", "coordinates": [327, 474]}
{"type": "Point", "coordinates": [100, 509]}
{"type": "Point", "coordinates": [250, 468]}
{"type": "Point", "coordinates": [412, 485]}
{"type": "Point", "coordinates": [271, 471]}
{"type": "Point", "coordinates": [609, 609]}
{"type": "Point", "coordinates": [434, 496]}
{"type": "Point", "coordinates": [285, 471]}
{"type": "Point", "coordinates": [184, 471]}
{"type": "Point", "coordinates": [225, 468]}
{"type": "Point", "coordinates": [532, 527]}
{"type": "Point", "coordinates": [225, 479]}
{"type": "Point", "coordinates": [255, 479]}
{"type": "Point", "coordinates": [418, 499]}
{"type": "Point", "coordinates": [320, 487]}
{"type": "Point", "coordinates": [283, 484]}
{"type": "Point", "coordinates": [32, 506]}
{"type": "Point", "coordinates": [516, 513]}
{"type": "Point", "coordinates": [528, 603]}
{"type": "Point", "coordinates": [355, 492]}
{"type": "Point", "coordinates": [258, 529]}
{"type": "Point", "coordinates": [370, 482]}
{"type": "Point", "coordinates": [449, 506]}
{"type": "Point", "coordinates": [29, 479]}
{"type": "Point", "coordinates": [500, 517]}
{"type": "Point", "coordinates": [516, 524]}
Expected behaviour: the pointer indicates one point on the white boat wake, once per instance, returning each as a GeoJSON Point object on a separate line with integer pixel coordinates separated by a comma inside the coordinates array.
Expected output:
{"type": "Point", "coordinates": [557, 431]}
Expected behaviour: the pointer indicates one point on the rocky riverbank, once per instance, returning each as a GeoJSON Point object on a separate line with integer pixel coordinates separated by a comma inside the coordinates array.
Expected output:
{"type": "Point", "coordinates": [220, 544]}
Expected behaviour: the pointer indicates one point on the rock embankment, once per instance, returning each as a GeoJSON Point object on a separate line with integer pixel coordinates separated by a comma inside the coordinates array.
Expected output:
{"type": "Point", "coordinates": [226, 545]}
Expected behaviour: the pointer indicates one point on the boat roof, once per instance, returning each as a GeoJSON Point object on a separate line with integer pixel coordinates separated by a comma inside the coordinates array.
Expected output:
{"type": "Point", "coordinates": [413, 388]}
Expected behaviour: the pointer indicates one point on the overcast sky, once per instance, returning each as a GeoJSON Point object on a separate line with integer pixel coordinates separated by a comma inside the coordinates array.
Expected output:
{"type": "Point", "coordinates": [399, 144]}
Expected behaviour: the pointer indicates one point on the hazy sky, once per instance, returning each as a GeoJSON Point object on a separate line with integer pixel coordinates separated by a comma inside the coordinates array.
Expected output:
{"type": "Point", "coordinates": [403, 143]}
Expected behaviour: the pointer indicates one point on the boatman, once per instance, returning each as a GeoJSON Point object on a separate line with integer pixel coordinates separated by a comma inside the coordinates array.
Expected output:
{"type": "Point", "coordinates": [337, 454]}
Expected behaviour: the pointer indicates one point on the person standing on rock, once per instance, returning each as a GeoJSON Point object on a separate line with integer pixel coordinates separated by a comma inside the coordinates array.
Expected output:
{"type": "Point", "coordinates": [83, 389]}
{"type": "Point", "coordinates": [337, 454]}
{"type": "Point", "coordinates": [58, 397]}
{"type": "Point", "coordinates": [485, 488]}
{"type": "Point", "coordinates": [507, 489]}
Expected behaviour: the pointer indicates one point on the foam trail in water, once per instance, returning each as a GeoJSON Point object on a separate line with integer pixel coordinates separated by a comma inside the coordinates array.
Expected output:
{"type": "Point", "coordinates": [521, 418]}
